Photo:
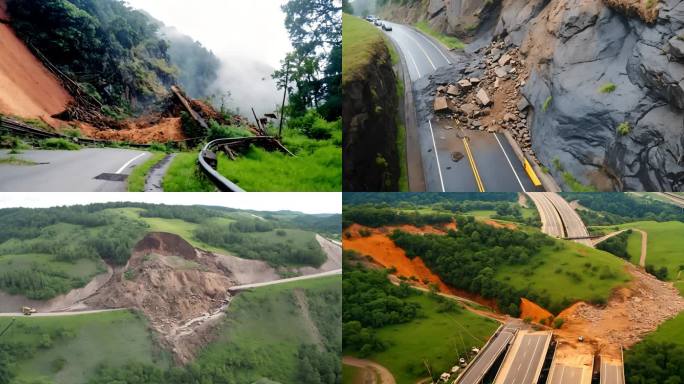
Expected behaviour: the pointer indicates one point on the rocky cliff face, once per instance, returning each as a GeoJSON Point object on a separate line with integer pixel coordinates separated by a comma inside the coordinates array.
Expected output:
{"type": "Point", "coordinates": [611, 75]}
{"type": "Point", "coordinates": [369, 114]}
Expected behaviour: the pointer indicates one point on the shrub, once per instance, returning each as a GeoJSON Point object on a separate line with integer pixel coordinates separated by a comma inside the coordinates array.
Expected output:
{"type": "Point", "coordinates": [558, 322]}
{"type": "Point", "coordinates": [624, 129]}
{"type": "Point", "coordinates": [607, 88]}
{"type": "Point", "coordinates": [57, 143]}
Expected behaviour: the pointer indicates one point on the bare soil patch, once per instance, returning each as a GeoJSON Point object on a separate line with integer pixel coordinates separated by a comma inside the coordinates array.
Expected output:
{"type": "Point", "coordinates": [631, 313]}
{"type": "Point", "coordinates": [532, 310]}
{"type": "Point", "coordinates": [141, 132]}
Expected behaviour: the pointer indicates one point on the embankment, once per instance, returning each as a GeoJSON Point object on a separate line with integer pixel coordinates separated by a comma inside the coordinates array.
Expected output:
{"type": "Point", "coordinates": [369, 110]}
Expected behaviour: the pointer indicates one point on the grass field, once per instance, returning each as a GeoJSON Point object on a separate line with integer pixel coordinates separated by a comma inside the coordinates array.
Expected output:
{"type": "Point", "coordinates": [634, 247]}
{"type": "Point", "coordinates": [267, 326]}
{"type": "Point", "coordinates": [671, 331]}
{"type": "Point", "coordinates": [592, 274]}
{"type": "Point", "coordinates": [81, 269]}
{"type": "Point", "coordinates": [67, 349]}
{"type": "Point", "coordinates": [181, 228]}
{"type": "Point", "coordinates": [664, 249]}
{"type": "Point", "coordinates": [351, 375]}
{"type": "Point", "coordinates": [450, 42]}
{"type": "Point", "coordinates": [136, 181]}
{"type": "Point", "coordinates": [361, 42]}
{"type": "Point", "coordinates": [436, 337]}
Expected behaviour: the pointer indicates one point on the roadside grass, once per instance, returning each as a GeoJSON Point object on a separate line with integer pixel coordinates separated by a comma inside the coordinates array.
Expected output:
{"type": "Point", "coordinates": [634, 247]}
{"type": "Point", "coordinates": [450, 42]}
{"type": "Point", "coordinates": [249, 331]}
{"type": "Point", "coordinates": [439, 338]}
{"type": "Point", "coordinates": [567, 273]}
{"type": "Point", "coordinates": [183, 175]}
{"type": "Point", "coordinates": [361, 41]}
{"type": "Point", "coordinates": [664, 248]}
{"type": "Point", "coordinates": [317, 168]}
{"type": "Point", "coordinates": [575, 185]}
{"type": "Point", "coordinates": [136, 181]}
{"type": "Point", "coordinates": [58, 144]}
{"type": "Point", "coordinates": [68, 349]}
{"type": "Point", "coordinates": [11, 160]}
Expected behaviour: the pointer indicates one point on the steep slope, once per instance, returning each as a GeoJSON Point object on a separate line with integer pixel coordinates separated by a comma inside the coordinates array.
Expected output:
{"type": "Point", "coordinates": [606, 82]}
{"type": "Point", "coordinates": [27, 89]}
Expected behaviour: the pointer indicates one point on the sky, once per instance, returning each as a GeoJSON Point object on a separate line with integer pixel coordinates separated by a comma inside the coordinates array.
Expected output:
{"type": "Point", "coordinates": [307, 202]}
{"type": "Point", "coordinates": [249, 37]}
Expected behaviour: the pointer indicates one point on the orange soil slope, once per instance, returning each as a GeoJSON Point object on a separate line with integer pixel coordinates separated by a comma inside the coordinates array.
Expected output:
{"type": "Point", "coordinates": [533, 311]}
{"type": "Point", "coordinates": [27, 89]}
{"type": "Point", "coordinates": [382, 249]}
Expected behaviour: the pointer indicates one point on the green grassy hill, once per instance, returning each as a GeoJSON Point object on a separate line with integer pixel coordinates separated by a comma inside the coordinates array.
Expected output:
{"type": "Point", "coordinates": [437, 337]}
{"type": "Point", "coordinates": [68, 349]}
{"type": "Point", "coordinates": [567, 273]}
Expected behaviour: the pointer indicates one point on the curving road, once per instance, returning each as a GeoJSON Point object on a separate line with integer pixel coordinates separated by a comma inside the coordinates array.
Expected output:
{"type": "Point", "coordinates": [552, 224]}
{"type": "Point", "coordinates": [491, 163]}
{"type": "Point", "coordinates": [559, 219]}
{"type": "Point", "coordinates": [71, 171]}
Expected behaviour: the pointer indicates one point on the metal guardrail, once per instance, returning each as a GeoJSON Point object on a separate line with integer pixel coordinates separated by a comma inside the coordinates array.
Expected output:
{"type": "Point", "coordinates": [206, 155]}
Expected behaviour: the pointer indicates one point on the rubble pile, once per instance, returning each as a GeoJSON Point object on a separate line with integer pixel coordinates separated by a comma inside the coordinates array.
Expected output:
{"type": "Point", "coordinates": [491, 102]}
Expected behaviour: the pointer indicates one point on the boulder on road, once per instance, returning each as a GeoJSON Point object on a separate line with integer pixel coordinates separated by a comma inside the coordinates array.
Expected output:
{"type": "Point", "coordinates": [523, 104]}
{"type": "Point", "coordinates": [500, 72]}
{"type": "Point", "coordinates": [441, 104]}
{"type": "Point", "coordinates": [465, 84]}
{"type": "Point", "coordinates": [469, 109]}
{"type": "Point", "coordinates": [483, 97]}
{"type": "Point", "coordinates": [504, 59]}
{"type": "Point", "coordinates": [452, 90]}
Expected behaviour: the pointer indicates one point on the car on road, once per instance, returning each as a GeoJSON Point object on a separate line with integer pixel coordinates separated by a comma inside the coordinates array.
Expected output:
{"type": "Point", "coordinates": [377, 22]}
{"type": "Point", "coordinates": [386, 27]}
{"type": "Point", "coordinates": [371, 18]}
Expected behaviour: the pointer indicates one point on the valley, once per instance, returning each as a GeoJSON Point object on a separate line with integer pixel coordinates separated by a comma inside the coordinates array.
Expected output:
{"type": "Point", "coordinates": [587, 298]}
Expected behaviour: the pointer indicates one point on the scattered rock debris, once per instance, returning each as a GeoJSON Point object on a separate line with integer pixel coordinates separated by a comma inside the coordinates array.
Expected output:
{"type": "Point", "coordinates": [492, 102]}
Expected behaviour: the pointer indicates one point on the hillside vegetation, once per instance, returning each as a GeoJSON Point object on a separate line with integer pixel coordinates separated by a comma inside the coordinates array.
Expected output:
{"type": "Point", "coordinates": [48, 252]}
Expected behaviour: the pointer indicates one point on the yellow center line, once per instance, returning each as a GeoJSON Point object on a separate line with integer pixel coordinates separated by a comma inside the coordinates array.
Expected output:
{"type": "Point", "coordinates": [473, 166]}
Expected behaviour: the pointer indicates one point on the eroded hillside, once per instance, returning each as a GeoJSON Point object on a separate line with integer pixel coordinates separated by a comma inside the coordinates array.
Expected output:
{"type": "Point", "coordinates": [606, 81]}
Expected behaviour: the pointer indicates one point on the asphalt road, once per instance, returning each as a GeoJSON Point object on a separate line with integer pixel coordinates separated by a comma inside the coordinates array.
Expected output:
{"type": "Point", "coordinates": [491, 165]}
{"type": "Point", "coordinates": [488, 355]}
{"type": "Point", "coordinates": [574, 226]}
{"type": "Point", "coordinates": [564, 374]}
{"type": "Point", "coordinates": [282, 281]}
{"type": "Point", "coordinates": [552, 224]}
{"type": "Point", "coordinates": [612, 374]}
{"type": "Point", "coordinates": [53, 314]}
{"type": "Point", "coordinates": [528, 360]}
{"type": "Point", "coordinates": [69, 171]}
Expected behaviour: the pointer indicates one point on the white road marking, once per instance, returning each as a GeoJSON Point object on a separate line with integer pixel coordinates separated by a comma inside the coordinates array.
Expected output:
{"type": "Point", "coordinates": [413, 60]}
{"type": "Point", "coordinates": [434, 146]}
{"type": "Point", "coordinates": [509, 162]}
{"type": "Point", "coordinates": [422, 50]}
{"type": "Point", "coordinates": [436, 47]}
{"type": "Point", "coordinates": [129, 162]}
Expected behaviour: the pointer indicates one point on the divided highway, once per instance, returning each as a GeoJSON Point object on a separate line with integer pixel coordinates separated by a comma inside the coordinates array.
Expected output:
{"type": "Point", "coordinates": [489, 354]}
{"type": "Point", "coordinates": [523, 363]}
{"type": "Point", "coordinates": [491, 164]}
{"type": "Point", "coordinates": [85, 170]}
{"type": "Point", "coordinates": [559, 219]}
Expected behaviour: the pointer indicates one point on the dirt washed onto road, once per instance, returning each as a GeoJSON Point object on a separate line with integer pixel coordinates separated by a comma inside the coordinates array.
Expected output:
{"type": "Point", "coordinates": [142, 132]}
{"type": "Point", "coordinates": [27, 89]}
{"type": "Point", "coordinates": [631, 313]}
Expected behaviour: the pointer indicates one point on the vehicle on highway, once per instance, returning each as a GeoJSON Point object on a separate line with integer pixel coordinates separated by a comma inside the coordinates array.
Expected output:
{"type": "Point", "coordinates": [377, 22]}
{"type": "Point", "coordinates": [371, 18]}
{"type": "Point", "coordinates": [386, 27]}
{"type": "Point", "coordinates": [28, 311]}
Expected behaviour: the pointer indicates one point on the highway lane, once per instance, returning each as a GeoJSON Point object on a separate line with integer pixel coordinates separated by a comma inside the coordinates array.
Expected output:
{"type": "Point", "coordinates": [69, 171]}
{"type": "Point", "coordinates": [282, 281]}
{"type": "Point", "coordinates": [525, 363]}
{"type": "Point", "coordinates": [552, 224]}
{"type": "Point", "coordinates": [565, 374]}
{"type": "Point", "coordinates": [612, 373]}
{"type": "Point", "coordinates": [491, 165]}
{"type": "Point", "coordinates": [488, 355]}
{"type": "Point", "coordinates": [574, 226]}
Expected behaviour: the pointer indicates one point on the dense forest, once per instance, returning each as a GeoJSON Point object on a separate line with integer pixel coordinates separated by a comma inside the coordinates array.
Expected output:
{"type": "Point", "coordinates": [617, 245]}
{"type": "Point", "coordinates": [470, 257]}
{"type": "Point", "coordinates": [371, 302]}
{"type": "Point", "coordinates": [115, 53]}
{"type": "Point", "coordinates": [372, 216]}
{"type": "Point", "coordinates": [617, 208]}
{"type": "Point", "coordinates": [652, 362]}
{"type": "Point", "coordinates": [409, 200]}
